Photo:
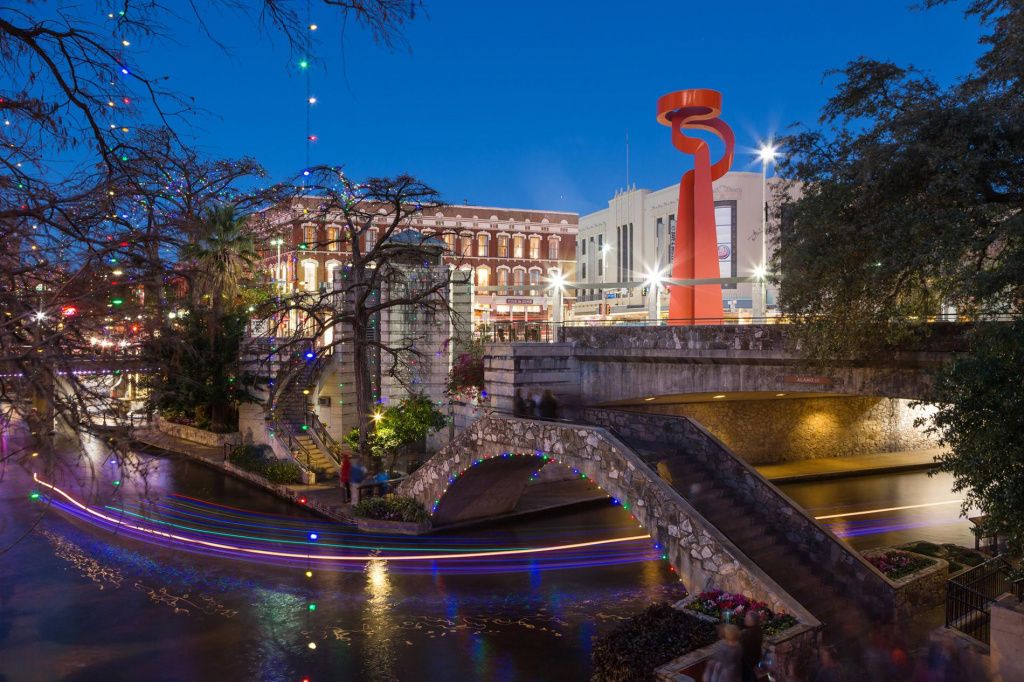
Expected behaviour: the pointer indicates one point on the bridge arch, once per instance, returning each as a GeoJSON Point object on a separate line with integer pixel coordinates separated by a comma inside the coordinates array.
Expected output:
{"type": "Point", "coordinates": [486, 467]}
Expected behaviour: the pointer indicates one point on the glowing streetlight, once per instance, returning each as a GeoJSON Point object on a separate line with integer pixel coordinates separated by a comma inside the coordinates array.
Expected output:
{"type": "Point", "coordinates": [377, 416]}
{"type": "Point", "coordinates": [556, 282]}
{"type": "Point", "coordinates": [767, 154]}
{"type": "Point", "coordinates": [653, 280]}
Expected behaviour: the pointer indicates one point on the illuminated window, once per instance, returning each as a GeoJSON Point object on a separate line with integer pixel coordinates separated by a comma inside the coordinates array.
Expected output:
{"type": "Point", "coordinates": [333, 239]}
{"type": "Point", "coordinates": [535, 248]}
{"type": "Point", "coordinates": [467, 245]}
{"type": "Point", "coordinates": [309, 235]}
{"type": "Point", "coordinates": [309, 275]}
{"type": "Point", "coordinates": [517, 246]}
{"type": "Point", "coordinates": [371, 240]}
{"type": "Point", "coordinates": [482, 240]}
{"type": "Point", "coordinates": [552, 248]}
{"type": "Point", "coordinates": [503, 246]}
{"type": "Point", "coordinates": [483, 276]}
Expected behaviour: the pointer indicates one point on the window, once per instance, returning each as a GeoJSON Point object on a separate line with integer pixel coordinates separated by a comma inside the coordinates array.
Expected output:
{"type": "Point", "coordinates": [552, 249]}
{"type": "Point", "coordinates": [482, 241]}
{"type": "Point", "coordinates": [449, 240]}
{"type": "Point", "coordinates": [467, 245]}
{"type": "Point", "coordinates": [517, 246]}
{"type": "Point", "coordinates": [534, 280]}
{"type": "Point", "coordinates": [309, 235]}
{"type": "Point", "coordinates": [583, 247]}
{"type": "Point", "coordinates": [725, 227]}
{"type": "Point", "coordinates": [583, 271]}
{"type": "Point", "coordinates": [502, 279]}
{"type": "Point", "coordinates": [661, 243]}
{"type": "Point", "coordinates": [371, 239]}
{"type": "Point", "coordinates": [309, 275]}
{"type": "Point", "coordinates": [671, 237]}
{"type": "Point", "coordinates": [503, 246]}
{"type": "Point", "coordinates": [535, 248]}
{"type": "Point", "coordinates": [333, 240]}
{"type": "Point", "coordinates": [483, 276]}
{"type": "Point", "coordinates": [601, 255]}
{"type": "Point", "coordinates": [518, 277]}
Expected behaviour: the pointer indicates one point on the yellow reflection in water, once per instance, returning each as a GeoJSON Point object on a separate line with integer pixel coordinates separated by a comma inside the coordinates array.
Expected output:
{"type": "Point", "coordinates": [378, 622]}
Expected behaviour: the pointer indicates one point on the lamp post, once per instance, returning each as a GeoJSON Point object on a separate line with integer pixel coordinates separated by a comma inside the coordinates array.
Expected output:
{"type": "Point", "coordinates": [653, 283]}
{"type": "Point", "coordinates": [277, 272]}
{"type": "Point", "coordinates": [766, 154]}
{"type": "Point", "coordinates": [557, 286]}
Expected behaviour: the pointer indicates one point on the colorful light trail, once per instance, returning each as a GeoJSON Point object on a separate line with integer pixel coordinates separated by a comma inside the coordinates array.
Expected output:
{"type": "Point", "coordinates": [233, 533]}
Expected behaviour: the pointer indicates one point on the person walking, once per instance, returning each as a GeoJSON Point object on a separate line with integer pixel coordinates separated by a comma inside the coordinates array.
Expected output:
{"type": "Point", "coordinates": [519, 408]}
{"type": "Point", "coordinates": [356, 476]}
{"type": "Point", "coordinates": [548, 406]}
{"type": "Point", "coordinates": [751, 641]}
{"type": "Point", "coordinates": [727, 661]}
{"type": "Point", "coordinates": [345, 476]}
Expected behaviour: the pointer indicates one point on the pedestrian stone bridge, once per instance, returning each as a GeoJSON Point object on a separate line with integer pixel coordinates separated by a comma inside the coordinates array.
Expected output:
{"type": "Point", "coordinates": [670, 492]}
{"type": "Point", "coordinates": [595, 365]}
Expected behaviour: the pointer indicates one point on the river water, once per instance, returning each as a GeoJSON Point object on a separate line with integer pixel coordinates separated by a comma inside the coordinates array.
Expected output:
{"type": "Point", "coordinates": [78, 602]}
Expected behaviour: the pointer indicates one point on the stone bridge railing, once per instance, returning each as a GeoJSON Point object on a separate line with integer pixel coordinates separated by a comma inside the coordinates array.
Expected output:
{"type": "Point", "coordinates": [699, 552]}
{"type": "Point", "coordinates": [682, 436]}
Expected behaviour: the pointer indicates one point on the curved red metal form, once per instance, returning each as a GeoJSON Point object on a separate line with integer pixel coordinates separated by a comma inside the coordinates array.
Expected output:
{"type": "Point", "coordinates": [696, 249]}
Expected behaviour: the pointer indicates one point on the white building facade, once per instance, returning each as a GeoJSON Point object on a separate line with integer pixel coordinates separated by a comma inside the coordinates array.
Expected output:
{"type": "Point", "coordinates": [635, 237]}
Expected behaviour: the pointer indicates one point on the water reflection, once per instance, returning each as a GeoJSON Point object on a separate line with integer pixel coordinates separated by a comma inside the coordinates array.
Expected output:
{"type": "Point", "coordinates": [378, 622]}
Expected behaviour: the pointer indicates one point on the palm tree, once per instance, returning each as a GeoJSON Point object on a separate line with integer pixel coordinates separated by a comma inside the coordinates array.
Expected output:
{"type": "Point", "coordinates": [223, 258]}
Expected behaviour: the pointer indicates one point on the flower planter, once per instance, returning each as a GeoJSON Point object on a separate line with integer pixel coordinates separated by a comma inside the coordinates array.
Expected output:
{"type": "Point", "coordinates": [391, 527]}
{"type": "Point", "coordinates": [919, 591]}
{"type": "Point", "coordinates": [194, 435]}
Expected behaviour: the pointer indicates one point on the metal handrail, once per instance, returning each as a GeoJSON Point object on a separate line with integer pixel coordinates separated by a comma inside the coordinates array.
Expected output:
{"type": "Point", "coordinates": [327, 442]}
{"type": "Point", "coordinates": [294, 446]}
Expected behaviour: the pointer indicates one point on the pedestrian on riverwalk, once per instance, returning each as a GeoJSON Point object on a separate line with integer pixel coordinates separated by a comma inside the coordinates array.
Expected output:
{"type": "Point", "coordinates": [345, 476]}
{"type": "Point", "coordinates": [751, 641]}
{"type": "Point", "coordinates": [548, 406]}
{"type": "Point", "coordinates": [519, 408]}
{"type": "Point", "coordinates": [727, 661]}
{"type": "Point", "coordinates": [356, 476]}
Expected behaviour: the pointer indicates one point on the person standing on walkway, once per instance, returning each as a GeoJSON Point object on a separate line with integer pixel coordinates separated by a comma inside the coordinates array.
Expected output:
{"type": "Point", "coordinates": [519, 404]}
{"type": "Point", "coordinates": [727, 660]}
{"type": "Point", "coordinates": [548, 406]}
{"type": "Point", "coordinates": [751, 641]}
{"type": "Point", "coordinates": [345, 476]}
{"type": "Point", "coordinates": [356, 476]}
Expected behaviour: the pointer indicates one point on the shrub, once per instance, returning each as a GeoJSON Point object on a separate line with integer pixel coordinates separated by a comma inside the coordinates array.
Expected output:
{"type": "Point", "coordinates": [649, 639]}
{"type": "Point", "coordinates": [732, 607]}
{"type": "Point", "coordinates": [259, 459]}
{"type": "Point", "coordinates": [895, 564]}
{"type": "Point", "coordinates": [392, 508]}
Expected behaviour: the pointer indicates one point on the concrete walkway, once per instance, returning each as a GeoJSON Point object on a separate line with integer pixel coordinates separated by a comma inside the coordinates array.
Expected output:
{"type": "Point", "coordinates": [841, 467]}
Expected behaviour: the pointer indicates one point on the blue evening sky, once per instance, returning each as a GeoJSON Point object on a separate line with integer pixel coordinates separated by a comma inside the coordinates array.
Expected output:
{"type": "Point", "coordinates": [527, 104]}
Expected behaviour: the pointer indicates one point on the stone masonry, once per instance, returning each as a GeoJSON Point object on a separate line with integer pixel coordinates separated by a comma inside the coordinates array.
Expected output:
{"type": "Point", "coordinates": [702, 556]}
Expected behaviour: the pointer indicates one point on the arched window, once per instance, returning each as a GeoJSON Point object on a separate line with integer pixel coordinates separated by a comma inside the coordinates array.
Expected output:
{"type": "Point", "coordinates": [553, 248]}
{"type": "Point", "coordinates": [309, 268]}
{"type": "Point", "coordinates": [503, 280]}
{"type": "Point", "coordinates": [482, 242]}
{"type": "Point", "coordinates": [518, 277]}
{"type": "Point", "coordinates": [534, 280]}
{"type": "Point", "coordinates": [517, 246]}
{"type": "Point", "coordinates": [535, 248]}
{"type": "Point", "coordinates": [371, 240]}
{"type": "Point", "coordinates": [502, 246]}
{"type": "Point", "coordinates": [309, 236]}
{"type": "Point", "coordinates": [331, 267]}
{"type": "Point", "coordinates": [467, 245]}
{"type": "Point", "coordinates": [333, 238]}
{"type": "Point", "coordinates": [483, 276]}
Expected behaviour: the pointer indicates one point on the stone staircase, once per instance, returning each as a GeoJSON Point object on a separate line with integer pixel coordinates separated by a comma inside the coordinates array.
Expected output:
{"type": "Point", "coordinates": [293, 411]}
{"type": "Point", "coordinates": [824, 574]}
{"type": "Point", "coordinates": [769, 547]}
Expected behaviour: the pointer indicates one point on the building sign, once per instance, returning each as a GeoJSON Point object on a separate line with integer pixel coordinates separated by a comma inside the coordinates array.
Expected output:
{"type": "Point", "coordinates": [807, 379]}
{"type": "Point", "coordinates": [610, 296]}
{"type": "Point", "coordinates": [519, 301]}
{"type": "Point", "coordinates": [259, 327]}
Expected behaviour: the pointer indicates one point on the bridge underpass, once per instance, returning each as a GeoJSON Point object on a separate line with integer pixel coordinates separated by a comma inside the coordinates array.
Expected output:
{"type": "Point", "coordinates": [778, 427]}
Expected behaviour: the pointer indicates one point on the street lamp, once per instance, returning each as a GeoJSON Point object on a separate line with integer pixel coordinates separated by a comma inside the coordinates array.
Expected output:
{"type": "Point", "coordinates": [277, 272]}
{"type": "Point", "coordinates": [766, 154]}
{"type": "Point", "coordinates": [556, 283]}
{"type": "Point", "coordinates": [653, 281]}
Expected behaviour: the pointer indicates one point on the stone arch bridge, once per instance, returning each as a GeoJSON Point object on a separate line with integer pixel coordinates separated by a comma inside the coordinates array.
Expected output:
{"type": "Point", "coordinates": [485, 469]}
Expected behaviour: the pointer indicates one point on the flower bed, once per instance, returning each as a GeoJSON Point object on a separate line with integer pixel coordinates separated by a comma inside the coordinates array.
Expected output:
{"type": "Point", "coordinates": [391, 508]}
{"type": "Point", "coordinates": [649, 639]}
{"type": "Point", "coordinates": [731, 608]}
{"type": "Point", "coordinates": [895, 564]}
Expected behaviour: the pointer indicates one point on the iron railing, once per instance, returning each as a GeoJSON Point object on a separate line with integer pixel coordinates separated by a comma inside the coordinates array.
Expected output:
{"type": "Point", "coordinates": [299, 452]}
{"type": "Point", "coordinates": [969, 596]}
{"type": "Point", "coordinates": [325, 440]}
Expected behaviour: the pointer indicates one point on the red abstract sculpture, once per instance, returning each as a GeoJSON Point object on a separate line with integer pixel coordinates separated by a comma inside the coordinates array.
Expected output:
{"type": "Point", "coordinates": [696, 251]}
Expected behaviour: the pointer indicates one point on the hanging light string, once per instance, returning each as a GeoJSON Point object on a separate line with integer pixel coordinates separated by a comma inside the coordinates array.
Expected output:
{"type": "Point", "coordinates": [305, 64]}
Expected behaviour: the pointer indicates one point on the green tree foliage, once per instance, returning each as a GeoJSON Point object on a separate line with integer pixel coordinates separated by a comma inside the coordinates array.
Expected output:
{"type": "Point", "coordinates": [200, 378]}
{"type": "Point", "coordinates": [401, 427]}
{"type": "Point", "coordinates": [980, 416]}
{"type": "Point", "coordinates": [909, 197]}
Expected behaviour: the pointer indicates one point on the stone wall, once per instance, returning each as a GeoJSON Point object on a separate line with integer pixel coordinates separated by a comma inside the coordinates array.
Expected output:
{"type": "Point", "coordinates": [791, 429]}
{"type": "Point", "coordinates": [191, 433]}
{"type": "Point", "coordinates": [919, 591]}
{"type": "Point", "coordinates": [846, 567]}
{"type": "Point", "coordinates": [703, 557]}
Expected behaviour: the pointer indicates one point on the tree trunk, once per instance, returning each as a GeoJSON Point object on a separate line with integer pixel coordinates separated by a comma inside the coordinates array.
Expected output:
{"type": "Point", "coordinates": [364, 398]}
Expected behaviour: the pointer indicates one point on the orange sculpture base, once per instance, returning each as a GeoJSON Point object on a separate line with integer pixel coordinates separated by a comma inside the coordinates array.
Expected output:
{"type": "Point", "coordinates": [696, 250]}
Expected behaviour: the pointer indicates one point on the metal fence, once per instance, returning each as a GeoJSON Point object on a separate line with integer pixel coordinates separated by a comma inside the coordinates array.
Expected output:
{"type": "Point", "coordinates": [969, 596]}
